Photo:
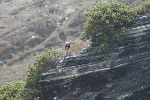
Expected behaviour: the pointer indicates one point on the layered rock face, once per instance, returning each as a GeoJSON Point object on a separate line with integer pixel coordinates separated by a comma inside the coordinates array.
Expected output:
{"type": "Point", "coordinates": [120, 74]}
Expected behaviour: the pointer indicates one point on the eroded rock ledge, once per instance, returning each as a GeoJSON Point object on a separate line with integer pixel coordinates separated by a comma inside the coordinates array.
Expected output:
{"type": "Point", "coordinates": [120, 74]}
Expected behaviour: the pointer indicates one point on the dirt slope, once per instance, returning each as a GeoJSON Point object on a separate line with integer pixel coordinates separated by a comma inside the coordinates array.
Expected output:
{"type": "Point", "coordinates": [27, 27]}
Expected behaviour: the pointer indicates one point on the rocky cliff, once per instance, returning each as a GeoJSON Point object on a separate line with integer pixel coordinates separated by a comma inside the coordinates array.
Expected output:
{"type": "Point", "coordinates": [119, 74]}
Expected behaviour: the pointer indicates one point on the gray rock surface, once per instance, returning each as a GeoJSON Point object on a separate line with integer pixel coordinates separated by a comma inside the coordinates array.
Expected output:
{"type": "Point", "coordinates": [120, 74]}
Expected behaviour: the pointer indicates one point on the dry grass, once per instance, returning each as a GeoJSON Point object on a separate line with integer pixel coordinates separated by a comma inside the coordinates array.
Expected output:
{"type": "Point", "coordinates": [22, 27]}
{"type": "Point", "coordinates": [11, 74]}
{"type": "Point", "coordinates": [15, 72]}
{"type": "Point", "coordinates": [77, 45]}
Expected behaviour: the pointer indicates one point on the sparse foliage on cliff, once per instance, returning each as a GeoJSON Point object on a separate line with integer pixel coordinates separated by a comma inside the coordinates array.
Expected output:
{"type": "Point", "coordinates": [30, 88]}
{"type": "Point", "coordinates": [143, 8]}
{"type": "Point", "coordinates": [45, 61]}
{"type": "Point", "coordinates": [12, 91]}
{"type": "Point", "coordinates": [107, 21]}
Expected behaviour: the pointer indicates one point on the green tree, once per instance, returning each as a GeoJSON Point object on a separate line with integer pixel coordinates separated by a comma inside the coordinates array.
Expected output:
{"type": "Point", "coordinates": [107, 22]}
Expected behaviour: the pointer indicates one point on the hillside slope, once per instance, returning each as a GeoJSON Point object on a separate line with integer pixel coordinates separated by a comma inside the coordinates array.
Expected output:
{"type": "Point", "coordinates": [27, 27]}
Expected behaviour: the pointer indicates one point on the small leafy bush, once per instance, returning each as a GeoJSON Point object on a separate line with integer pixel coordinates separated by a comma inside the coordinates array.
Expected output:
{"type": "Point", "coordinates": [45, 61]}
{"type": "Point", "coordinates": [107, 22]}
{"type": "Point", "coordinates": [11, 91]}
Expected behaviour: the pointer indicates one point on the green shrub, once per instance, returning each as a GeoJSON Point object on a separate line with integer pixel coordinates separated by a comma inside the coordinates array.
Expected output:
{"type": "Point", "coordinates": [143, 8]}
{"type": "Point", "coordinates": [11, 91]}
{"type": "Point", "coordinates": [30, 88]}
{"type": "Point", "coordinates": [45, 61]}
{"type": "Point", "coordinates": [108, 22]}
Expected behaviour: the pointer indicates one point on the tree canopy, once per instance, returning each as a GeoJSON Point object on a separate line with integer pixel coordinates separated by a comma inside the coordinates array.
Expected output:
{"type": "Point", "coordinates": [107, 21]}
